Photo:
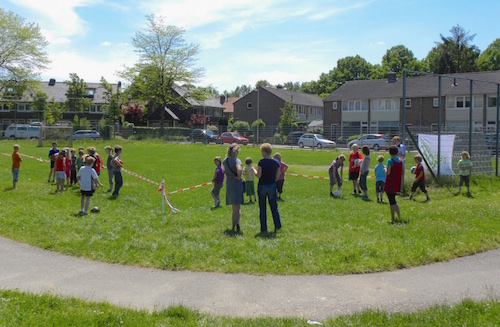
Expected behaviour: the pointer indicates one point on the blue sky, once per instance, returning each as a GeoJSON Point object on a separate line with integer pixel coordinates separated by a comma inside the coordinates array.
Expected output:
{"type": "Point", "coordinates": [244, 41]}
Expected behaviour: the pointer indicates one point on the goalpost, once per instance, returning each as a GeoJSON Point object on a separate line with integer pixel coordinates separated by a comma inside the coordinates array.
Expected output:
{"type": "Point", "coordinates": [61, 134]}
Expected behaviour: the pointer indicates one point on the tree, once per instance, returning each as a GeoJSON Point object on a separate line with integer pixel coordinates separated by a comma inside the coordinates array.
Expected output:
{"type": "Point", "coordinates": [40, 104]}
{"type": "Point", "coordinates": [113, 107]}
{"type": "Point", "coordinates": [76, 95]}
{"type": "Point", "coordinates": [490, 58]}
{"type": "Point", "coordinates": [291, 86]}
{"type": "Point", "coordinates": [164, 60]}
{"type": "Point", "coordinates": [397, 59]}
{"type": "Point", "coordinates": [239, 91]}
{"type": "Point", "coordinates": [454, 54]}
{"type": "Point", "coordinates": [263, 83]}
{"type": "Point", "coordinates": [288, 118]}
{"type": "Point", "coordinates": [133, 113]}
{"type": "Point", "coordinates": [53, 112]}
{"type": "Point", "coordinates": [22, 53]}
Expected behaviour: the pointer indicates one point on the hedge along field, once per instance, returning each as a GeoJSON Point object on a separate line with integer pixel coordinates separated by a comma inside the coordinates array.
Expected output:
{"type": "Point", "coordinates": [320, 235]}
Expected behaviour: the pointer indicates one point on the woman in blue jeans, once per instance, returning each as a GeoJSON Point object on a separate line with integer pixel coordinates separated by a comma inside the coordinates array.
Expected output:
{"type": "Point", "coordinates": [268, 173]}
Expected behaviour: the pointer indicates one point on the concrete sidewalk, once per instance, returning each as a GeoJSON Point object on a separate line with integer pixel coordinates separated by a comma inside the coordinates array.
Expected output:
{"type": "Point", "coordinates": [31, 269]}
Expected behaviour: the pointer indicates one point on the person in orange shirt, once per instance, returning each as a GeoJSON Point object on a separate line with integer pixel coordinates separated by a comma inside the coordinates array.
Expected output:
{"type": "Point", "coordinates": [16, 164]}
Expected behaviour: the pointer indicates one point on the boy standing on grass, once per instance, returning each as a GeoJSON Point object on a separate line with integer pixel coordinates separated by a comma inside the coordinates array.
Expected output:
{"type": "Point", "coordinates": [218, 181]}
{"type": "Point", "coordinates": [464, 171]}
{"type": "Point", "coordinates": [52, 156]}
{"type": "Point", "coordinates": [74, 180]}
{"type": "Point", "coordinates": [86, 178]}
{"type": "Point", "coordinates": [393, 181]}
{"type": "Point", "coordinates": [268, 173]}
{"type": "Point", "coordinates": [354, 167]}
{"type": "Point", "coordinates": [333, 172]}
{"type": "Point", "coordinates": [109, 151]}
{"type": "Point", "coordinates": [380, 178]}
{"type": "Point", "coordinates": [419, 178]}
{"type": "Point", "coordinates": [16, 165]}
{"type": "Point", "coordinates": [364, 169]}
{"type": "Point", "coordinates": [250, 172]}
{"type": "Point", "coordinates": [117, 171]}
{"type": "Point", "coordinates": [281, 179]}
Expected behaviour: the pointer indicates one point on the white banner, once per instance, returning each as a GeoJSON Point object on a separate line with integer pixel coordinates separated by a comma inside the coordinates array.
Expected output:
{"type": "Point", "coordinates": [428, 144]}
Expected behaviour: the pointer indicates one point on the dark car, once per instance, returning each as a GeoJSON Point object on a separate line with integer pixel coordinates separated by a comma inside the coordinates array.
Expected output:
{"type": "Point", "coordinates": [293, 137]}
{"type": "Point", "coordinates": [202, 135]}
{"type": "Point", "coordinates": [232, 137]}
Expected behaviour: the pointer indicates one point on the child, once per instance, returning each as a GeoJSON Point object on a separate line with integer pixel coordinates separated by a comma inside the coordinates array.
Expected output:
{"type": "Point", "coordinates": [250, 172]}
{"type": "Point", "coordinates": [117, 163]}
{"type": "Point", "coordinates": [365, 165]}
{"type": "Point", "coordinates": [86, 177]}
{"type": "Point", "coordinates": [109, 151]}
{"type": "Point", "coordinates": [268, 173]}
{"type": "Point", "coordinates": [380, 178]}
{"type": "Point", "coordinates": [419, 178]}
{"type": "Point", "coordinates": [281, 179]}
{"type": "Point", "coordinates": [333, 172]}
{"type": "Point", "coordinates": [80, 159]}
{"type": "Point", "coordinates": [60, 174]}
{"type": "Point", "coordinates": [16, 165]}
{"type": "Point", "coordinates": [73, 179]}
{"type": "Point", "coordinates": [218, 181]}
{"type": "Point", "coordinates": [464, 171]}
{"type": "Point", "coordinates": [354, 168]}
{"type": "Point", "coordinates": [52, 156]}
{"type": "Point", "coordinates": [67, 166]}
{"type": "Point", "coordinates": [402, 155]}
{"type": "Point", "coordinates": [393, 180]}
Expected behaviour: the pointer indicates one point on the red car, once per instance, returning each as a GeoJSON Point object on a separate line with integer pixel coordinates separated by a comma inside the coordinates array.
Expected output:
{"type": "Point", "coordinates": [232, 137]}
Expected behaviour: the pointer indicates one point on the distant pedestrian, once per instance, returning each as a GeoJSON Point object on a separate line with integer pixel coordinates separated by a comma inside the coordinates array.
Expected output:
{"type": "Point", "coordinates": [268, 173]}
{"type": "Point", "coordinates": [87, 179]}
{"type": "Point", "coordinates": [234, 186]}
{"type": "Point", "coordinates": [52, 157]}
{"type": "Point", "coordinates": [464, 171]}
{"type": "Point", "coordinates": [354, 167]}
{"type": "Point", "coordinates": [249, 172]}
{"type": "Point", "coordinates": [16, 165]}
{"type": "Point", "coordinates": [117, 171]}
{"type": "Point", "coordinates": [333, 172]}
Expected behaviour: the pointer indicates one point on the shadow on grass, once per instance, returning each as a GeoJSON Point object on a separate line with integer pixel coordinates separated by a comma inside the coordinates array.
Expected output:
{"type": "Point", "coordinates": [268, 235]}
{"type": "Point", "coordinates": [7, 189]}
{"type": "Point", "coordinates": [232, 233]}
{"type": "Point", "coordinates": [400, 222]}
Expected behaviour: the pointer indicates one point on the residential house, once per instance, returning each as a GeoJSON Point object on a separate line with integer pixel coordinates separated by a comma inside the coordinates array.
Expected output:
{"type": "Point", "coordinates": [375, 106]}
{"type": "Point", "coordinates": [265, 103]}
{"type": "Point", "coordinates": [228, 104]}
{"type": "Point", "coordinates": [21, 109]}
{"type": "Point", "coordinates": [181, 113]}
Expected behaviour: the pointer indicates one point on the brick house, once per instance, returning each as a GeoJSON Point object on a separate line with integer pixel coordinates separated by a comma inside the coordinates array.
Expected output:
{"type": "Point", "coordinates": [22, 110]}
{"type": "Point", "coordinates": [268, 101]}
{"type": "Point", "coordinates": [375, 106]}
{"type": "Point", "coordinates": [181, 113]}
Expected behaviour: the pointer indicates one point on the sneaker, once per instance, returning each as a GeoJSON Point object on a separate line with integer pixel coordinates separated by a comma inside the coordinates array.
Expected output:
{"type": "Point", "coordinates": [359, 192]}
{"type": "Point", "coordinates": [354, 193]}
{"type": "Point", "coordinates": [364, 197]}
{"type": "Point", "coordinates": [331, 194]}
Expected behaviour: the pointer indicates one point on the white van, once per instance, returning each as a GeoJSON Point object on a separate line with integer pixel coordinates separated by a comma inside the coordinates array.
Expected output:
{"type": "Point", "coordinates": [22, 131]}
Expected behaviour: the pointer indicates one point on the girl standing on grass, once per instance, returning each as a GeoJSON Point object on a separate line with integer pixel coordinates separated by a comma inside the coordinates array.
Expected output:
{"type": "Point", "coordinates": [281, 179]}
{"type": "Point", "coordinates": [393, 181]}
{"type": "Point", "coordinates": [67, 166]}
{"type": "Point", "coordinates": [109, 151]}
{"type": "Point", "coordinates": [60, 171]}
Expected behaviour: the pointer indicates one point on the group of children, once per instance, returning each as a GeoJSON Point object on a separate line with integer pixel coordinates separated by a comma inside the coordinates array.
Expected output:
{"type": "Point", "coordinates": [84, 170]}
{"type": "Point", "coordinates": [270, 185]}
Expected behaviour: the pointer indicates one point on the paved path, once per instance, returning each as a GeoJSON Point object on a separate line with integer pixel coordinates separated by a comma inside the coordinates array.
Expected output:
{"type": "Point", "coordinates": [31, 269]}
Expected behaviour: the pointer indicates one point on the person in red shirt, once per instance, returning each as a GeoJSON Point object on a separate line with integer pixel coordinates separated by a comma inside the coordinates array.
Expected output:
{"type": "Point", "coordinates": [393, 181]}
{"type": "Point", "coordinates": [16, 165]}
{"type": "Point", "coordinates": [354, 167]}
{"type": "Point", "coordinates": [60, 171]}
{"type": "Point", "coordinates": [419, 178]}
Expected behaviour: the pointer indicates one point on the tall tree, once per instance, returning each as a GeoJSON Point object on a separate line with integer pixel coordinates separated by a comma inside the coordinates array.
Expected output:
{"type": "Point", "coordinates": [263, 83]}
{"type": "Point", "coordinates": [454, 54]}
{"type": "Point", "coordinates": [22, 53]}
{"type": "Point", "coordinates": [397, 59]}
{"type": "Point", "coordinates": [288, 118]}
{"type": "Point", "coordinates": [239, 91]}
{"type": "Point", "coordinates": [164, 60]}
{"type": "Point", "coordinates": [490, 58]}
{"type": "Point", "coordinates": [114, 99]}
{"type": "Point", "coordinates": [77, 97]}
{"type": "Point", "coordinates": [292, 86]}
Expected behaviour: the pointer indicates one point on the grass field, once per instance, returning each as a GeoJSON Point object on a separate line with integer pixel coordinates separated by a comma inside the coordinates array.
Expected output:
{"type": "Point", "coordinates": [320, 235]}
{"type": "Point", "coordinates": [20, 309]}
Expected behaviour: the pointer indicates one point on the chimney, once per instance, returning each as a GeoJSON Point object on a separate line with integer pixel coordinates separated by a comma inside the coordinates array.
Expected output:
{"type": "Point", "coordinates": [392, 77]}
{"type": "Point", "coordinates": [119, 85]}
{"type": "Point", "coordinates": [52, 82]}
{"type": "Point", "coordinates": [222, 99]}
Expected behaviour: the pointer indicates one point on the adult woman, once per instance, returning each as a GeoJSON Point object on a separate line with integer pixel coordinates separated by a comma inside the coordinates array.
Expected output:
{"type": "Point", "coordinates": [234, 187]}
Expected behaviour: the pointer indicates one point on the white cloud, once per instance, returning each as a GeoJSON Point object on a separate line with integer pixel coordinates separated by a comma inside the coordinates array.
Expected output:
{"type": "Point", "coordinates": [106, 43]}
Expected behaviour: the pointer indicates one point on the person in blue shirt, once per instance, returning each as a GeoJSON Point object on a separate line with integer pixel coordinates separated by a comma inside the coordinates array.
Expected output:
{"type": "Point", "coordinates": [268, 173]}
{"type": "Point", "coordinates": [380, 178]}
{"type": "Point", "coordinates": [52, 156]}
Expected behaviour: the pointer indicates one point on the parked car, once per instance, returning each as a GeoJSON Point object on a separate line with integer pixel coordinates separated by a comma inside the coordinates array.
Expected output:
{"type": "Point", "coordinates": [22, 131]}
{"type": "Point", "coordinates": [315, 140]}
{"type": "Point", "coordinates": [232, 137]}
{"type": "Point", "coordinates": [202, 135]}
{"type": "Point", "coordinates": [84, 134]}
{"type": "Point", "coordinates": [293, 137]}
{"type": "Point", "coordinates": [373, 141]}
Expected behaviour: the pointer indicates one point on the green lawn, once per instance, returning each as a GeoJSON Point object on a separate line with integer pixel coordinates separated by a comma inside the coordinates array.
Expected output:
{"type": "Point", "coordinates": [320, 235]}
{"type": "Point", "coordinates": [20, 309]}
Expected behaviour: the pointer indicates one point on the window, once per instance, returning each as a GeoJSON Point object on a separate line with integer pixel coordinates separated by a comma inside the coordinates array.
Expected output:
{"type": "Point", "coordinates": [408, 103]}
{"type": "Point", "coordinates": [385, 104]}
{"type": "Point", "coordinates": [334, 106]}
{"type": "Point", "coordinates": [492, 101]}
{"type": "Point", "coordinates": [478, 101]}
{"type": "Point", "coordinates": [435, 102]}
{"type": "Point", "coordinates": [95, 109]}
{"type": "Point", "coordinates": [4, 107]}
{"type": "Point", "coordinates": [89, 93]}
{"type": "Point", "coordinates": [217, 113]}
{"type": "Point", "coordinates": [249, 106]}
{"type": "Point", "coordinates": [24, 107]}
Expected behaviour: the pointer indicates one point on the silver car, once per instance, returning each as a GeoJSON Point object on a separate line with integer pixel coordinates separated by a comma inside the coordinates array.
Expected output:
{"type": "Point", "coordinates": [315, 140]}
{"type": "Point", "coordinates": [84, 134]}
{"type": "Point", "coordinates": [373, 141]}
